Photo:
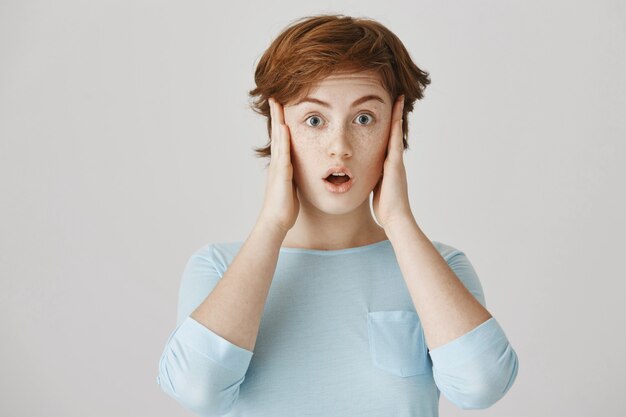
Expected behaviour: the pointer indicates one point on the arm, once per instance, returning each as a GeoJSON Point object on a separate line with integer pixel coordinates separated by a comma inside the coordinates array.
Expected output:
{"type": "Point", "coordinates": [445, 307]}
{"type": "Point", "coordinates": [234, 308]}
{"type": "Point", "coordinates": [207, 356]}
{"type": "Point", "coordinates": [474, 364]}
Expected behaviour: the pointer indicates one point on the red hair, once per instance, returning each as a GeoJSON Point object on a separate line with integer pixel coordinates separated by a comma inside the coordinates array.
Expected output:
{"type": "Point", "coordinates": [314, 47]}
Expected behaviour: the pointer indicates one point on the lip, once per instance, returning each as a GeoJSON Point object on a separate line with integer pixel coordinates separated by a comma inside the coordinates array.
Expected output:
{"type": "Point", "coordinates": [338, 168]}
{"type": "Point", "coordinates": [338, 188]}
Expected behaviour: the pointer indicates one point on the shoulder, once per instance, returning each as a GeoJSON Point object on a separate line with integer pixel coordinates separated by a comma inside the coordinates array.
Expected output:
{"type": "Point", "coordinates": [454, 257]}
{"type": "Point", "coordinates": [446, 251]}
{"type": "Point", "coordinates": [460, 264]}
{"type": "Point", "coordinates": [203, 270]}
{"type": "Point", "coordinates": [216, 255]}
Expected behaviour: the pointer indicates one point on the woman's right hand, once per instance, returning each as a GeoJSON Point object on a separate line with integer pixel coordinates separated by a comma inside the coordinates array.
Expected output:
{"type": "Point", "coordinates": [281, 204]}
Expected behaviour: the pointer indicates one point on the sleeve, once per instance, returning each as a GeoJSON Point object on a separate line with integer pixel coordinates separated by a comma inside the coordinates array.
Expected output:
{"type": "Point", "coordinates": [198, 368]}
{"type": "Point", "coordinates": [477, 369]}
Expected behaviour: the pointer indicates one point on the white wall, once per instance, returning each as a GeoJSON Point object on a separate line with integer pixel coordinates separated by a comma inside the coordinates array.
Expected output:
{"type": "Point", "coordinates": [119, 119]}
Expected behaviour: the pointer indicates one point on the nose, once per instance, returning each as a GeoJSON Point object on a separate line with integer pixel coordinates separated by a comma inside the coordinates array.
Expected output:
{"type": "Point", "coordinates": [339, 143]}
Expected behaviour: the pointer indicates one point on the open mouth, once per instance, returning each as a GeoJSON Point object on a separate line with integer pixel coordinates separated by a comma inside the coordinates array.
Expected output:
{"type": "Point", "coordinates": [338, 179]}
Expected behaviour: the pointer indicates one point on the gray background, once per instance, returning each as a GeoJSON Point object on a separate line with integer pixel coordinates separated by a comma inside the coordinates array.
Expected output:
{"type": "Point", "coordinates": [126, 144]}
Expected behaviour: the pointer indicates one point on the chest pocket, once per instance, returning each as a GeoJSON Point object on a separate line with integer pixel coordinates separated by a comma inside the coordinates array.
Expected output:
{"type": "Point", "coordinates": [396, 342]}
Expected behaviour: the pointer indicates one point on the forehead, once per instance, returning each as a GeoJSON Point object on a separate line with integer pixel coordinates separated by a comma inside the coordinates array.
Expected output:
{"type": "Point", "coordinates": [364, 80]}
{"type": "Point", "coordinates": [345, 86]}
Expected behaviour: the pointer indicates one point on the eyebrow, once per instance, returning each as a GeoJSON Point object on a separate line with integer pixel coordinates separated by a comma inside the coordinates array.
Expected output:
{"type": "Point", "coordinates": [356, 102]}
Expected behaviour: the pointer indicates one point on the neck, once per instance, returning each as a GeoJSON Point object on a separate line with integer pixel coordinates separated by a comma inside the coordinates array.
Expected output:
{"type": "Point", "coordinates": [323, 231]}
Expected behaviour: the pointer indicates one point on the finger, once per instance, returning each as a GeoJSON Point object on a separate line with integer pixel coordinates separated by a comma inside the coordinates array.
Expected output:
{"type": "Point", "coordinates": [273, 135]}
{"type": "Point", "coordinates": [285, 137]}
{"type": "Point", "coordinates": [280, 115]}
{"type": "Point", "coordinates": [399, 142]}
{"type": "Point", "coordinates": [397, 110]}
{"type": "Point", "coordinates": [395, 135]}
{"type": "Point", "coordinates": [285, 147]}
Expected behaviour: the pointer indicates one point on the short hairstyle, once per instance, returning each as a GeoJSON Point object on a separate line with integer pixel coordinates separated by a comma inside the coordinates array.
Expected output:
{"type": "Point", "coordinates": [314, 47]}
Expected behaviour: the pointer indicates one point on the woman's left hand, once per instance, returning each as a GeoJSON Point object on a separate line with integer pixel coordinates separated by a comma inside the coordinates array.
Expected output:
{"type": "Point", "coordinates": [391, 196]}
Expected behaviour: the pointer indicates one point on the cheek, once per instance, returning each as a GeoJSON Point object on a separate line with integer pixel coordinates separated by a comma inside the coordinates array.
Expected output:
{"type": "Point", "coordinates": [302, 156]}
{"type": "Point", "coordinates": [300, 143]}
{"type": "Point", "coordinates": [374, 151]}
{"type": "Point", "coordinates": [373, 143]}
{"type": "Point", "coordinates": [304, 146]}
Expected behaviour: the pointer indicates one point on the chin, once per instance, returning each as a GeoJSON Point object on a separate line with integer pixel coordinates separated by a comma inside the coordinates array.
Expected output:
{"type": "Point", "coordinates": [335, 204]}
{"type": "Point", "coordinates": [337, 211]}
{"type": "Point", "coordinates": [340, 207]}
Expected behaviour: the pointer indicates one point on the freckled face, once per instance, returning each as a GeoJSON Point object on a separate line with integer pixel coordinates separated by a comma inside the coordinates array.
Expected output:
{"type": "Point", "coordinates": [339, 133]}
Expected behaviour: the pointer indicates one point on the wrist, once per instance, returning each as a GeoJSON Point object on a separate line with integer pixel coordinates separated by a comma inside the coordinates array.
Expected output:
{"type": "Point", "coordinates": [399, 224]}
{"type": "Point", "coordinates": [270, 228]}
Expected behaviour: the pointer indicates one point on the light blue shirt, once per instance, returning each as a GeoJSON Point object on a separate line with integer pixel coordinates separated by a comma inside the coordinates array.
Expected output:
{"type": "Point", "coordinates": [339, 336]}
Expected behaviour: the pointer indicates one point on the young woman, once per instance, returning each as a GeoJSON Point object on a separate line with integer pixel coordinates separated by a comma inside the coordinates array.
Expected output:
{"type": "Point", "coordinates": [361, 316]}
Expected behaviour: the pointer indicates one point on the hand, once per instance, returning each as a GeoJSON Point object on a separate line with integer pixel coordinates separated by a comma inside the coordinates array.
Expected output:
{"type": "Point", "coordinates": [281, 204]}
{"type": "Point", "coordinates": [391, 196]}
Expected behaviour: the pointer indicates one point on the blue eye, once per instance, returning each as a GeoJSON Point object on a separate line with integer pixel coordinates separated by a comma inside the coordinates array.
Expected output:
{"type": "Point", "coordinates": [316, 121]}
{"type": "Point", "coordinates": [360, 118]}
{"type": "Point", "coordinates": [314, 118]}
